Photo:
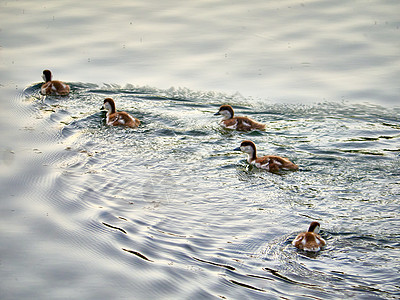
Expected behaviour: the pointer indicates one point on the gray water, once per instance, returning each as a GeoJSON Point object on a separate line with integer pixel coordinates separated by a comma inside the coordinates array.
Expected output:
{"type": "Point", "coordinates": [169, 210]}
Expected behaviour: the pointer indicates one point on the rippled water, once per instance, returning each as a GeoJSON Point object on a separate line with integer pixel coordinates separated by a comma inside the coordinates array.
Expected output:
{"type": "Point", "coordinates": [169, 210]}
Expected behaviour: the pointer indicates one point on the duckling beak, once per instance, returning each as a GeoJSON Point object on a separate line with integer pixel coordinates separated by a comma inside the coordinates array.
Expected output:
{"type": "Point", "coordinates": [217, 113]}
{"type": "Point", "coordinates": [102, 108]}
{"type": "Point", "coordinates": [237, 149]}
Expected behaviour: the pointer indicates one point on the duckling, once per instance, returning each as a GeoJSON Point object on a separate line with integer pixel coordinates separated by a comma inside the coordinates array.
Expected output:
{"type": "Point", "coordinates": [238, 123]}
{"type": "Point", "coordinates": [120, 118]}
{"type": "Point", "coordinates": [270, 163]}
{"type": "Point", "coordinates": [310, 240]}
{"type": "Point", "coordinates": [54, 87]}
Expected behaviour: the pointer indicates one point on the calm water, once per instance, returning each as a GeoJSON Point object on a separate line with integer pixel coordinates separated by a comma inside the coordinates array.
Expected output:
{"type": "Point", "coordinates": [169, 210]}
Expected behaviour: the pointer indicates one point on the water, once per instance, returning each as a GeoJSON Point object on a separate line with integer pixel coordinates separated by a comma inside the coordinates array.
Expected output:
{"type": "Point", "coordinates": [169, 210]}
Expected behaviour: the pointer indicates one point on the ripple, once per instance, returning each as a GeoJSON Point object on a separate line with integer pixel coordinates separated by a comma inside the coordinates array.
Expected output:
{"type": "Point", "coordinates": [173, 193]}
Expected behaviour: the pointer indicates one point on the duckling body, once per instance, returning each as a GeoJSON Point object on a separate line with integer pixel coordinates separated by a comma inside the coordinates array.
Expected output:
{"type": "Point", "coordinates": [270, 163]}
{"type": "Point", "coordinates": [53, 87]}
{"type": "Point", "coordinates": [237, 123]}
{"type": "Point", "coordinates": [120, 118]}
{"type": "Point", "coordinates": [310, 240]}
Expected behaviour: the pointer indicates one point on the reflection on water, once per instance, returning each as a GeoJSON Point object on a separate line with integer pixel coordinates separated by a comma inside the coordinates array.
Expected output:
{"type": "Point", "coordinates": [169, 210]}
{"type": "Point", "coordinates": [281, 51]}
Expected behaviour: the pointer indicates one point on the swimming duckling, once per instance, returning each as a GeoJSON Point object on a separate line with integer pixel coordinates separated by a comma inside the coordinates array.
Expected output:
{"type": "Point", "coordinates": [54, 87]}
{"type": "Point", "coordinates": [310, 240]}
{"type": "Point", "coordinates": [270, 163]}
{"type": "Point", "coordinates": [120, 118]}
{"type": "Point", "coordinates": [238, 123]}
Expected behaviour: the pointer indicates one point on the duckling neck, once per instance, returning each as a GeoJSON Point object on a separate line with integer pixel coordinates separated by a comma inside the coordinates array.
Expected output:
{"type": "Point", "coordinates": [46, 78]}
{"type": "Point", "coordinates": [111, 109]}
{"type": "Point", "coordinates": [252, 156]}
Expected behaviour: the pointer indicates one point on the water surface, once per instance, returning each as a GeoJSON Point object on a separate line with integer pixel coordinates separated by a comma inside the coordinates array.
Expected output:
{"type": "Point", "coordinates": [280, 51]}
